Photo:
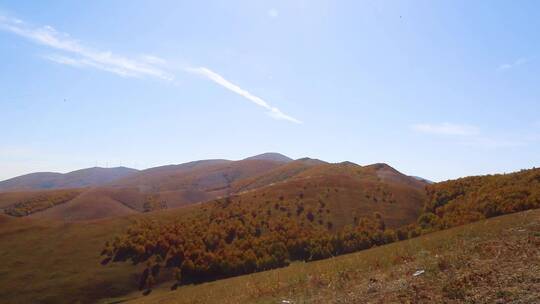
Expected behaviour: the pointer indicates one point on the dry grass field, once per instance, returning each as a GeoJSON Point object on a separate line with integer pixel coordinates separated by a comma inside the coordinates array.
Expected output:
{"type": "Point", "coordinates": [46, 261]}
{"type": "Point", "coordinates": [491, 261]}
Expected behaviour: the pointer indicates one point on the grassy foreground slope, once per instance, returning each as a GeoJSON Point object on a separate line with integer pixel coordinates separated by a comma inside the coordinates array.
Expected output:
{"type": "Point", "coordinates": [51, 262]}
{"type": "Point", "coordinates": [46, 261]}
{"type": "Point", "coordinates": [491, 261]}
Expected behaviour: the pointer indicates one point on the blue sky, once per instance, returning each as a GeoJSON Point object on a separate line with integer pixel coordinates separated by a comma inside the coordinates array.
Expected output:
{"type": "Point", "coordinates": [435, 89]}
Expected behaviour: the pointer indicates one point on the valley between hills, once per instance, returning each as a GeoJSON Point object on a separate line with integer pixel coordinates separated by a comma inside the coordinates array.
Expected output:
{"type": "Point", "coordinates": [268, 229]}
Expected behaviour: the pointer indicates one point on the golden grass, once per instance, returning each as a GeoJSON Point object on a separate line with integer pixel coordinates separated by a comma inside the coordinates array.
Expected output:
{"type": "Point", "coordinates": [45, 261]}
{"type": "Point", "coordinates": [463, 263]}
{"type": "Point", "coordinates": [54, 262]}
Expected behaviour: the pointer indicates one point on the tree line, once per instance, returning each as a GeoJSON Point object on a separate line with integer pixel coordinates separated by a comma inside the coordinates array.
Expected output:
{"type": "Point", "coordinates": [228, 237]}
{"type": "Point", "coordinates": [40, 202]}
{"type": "Point", "coordinates": [474, 198]}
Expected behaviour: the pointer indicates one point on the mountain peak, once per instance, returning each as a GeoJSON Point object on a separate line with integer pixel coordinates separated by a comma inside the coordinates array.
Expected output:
{"type": "Point", "coordinates": [273, 156]}
{"type": "Point", "coordinates": [382, 167]}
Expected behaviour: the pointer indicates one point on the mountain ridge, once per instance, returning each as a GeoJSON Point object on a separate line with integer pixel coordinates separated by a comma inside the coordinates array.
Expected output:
{"type": "Point", "coordinates": [174, 186]}
{"type": "Point", "coordinates": [87, 177]}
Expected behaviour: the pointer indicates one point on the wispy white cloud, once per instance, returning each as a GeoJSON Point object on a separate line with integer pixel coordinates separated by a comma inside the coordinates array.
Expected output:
{"type": "Point", "coordinates": [215, 77]}
{"type": "Point", "coordinates": [83, 62]}
{"type": "Point", "coordinates": [151, 59]}
{"type": "Point", "coordinates": [83, 56]}
{"type": "Point", "coordinates": [446, 129]}
{"type": "Point", "coordinates": [75, 54]}
{"type": "Point", "coordinates": [518, 62]}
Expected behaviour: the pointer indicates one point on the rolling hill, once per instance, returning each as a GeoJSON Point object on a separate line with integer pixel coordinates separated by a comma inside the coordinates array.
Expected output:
{"type": "Point", "coordinates": [88, 205]}
{"type": "Point", "coordinates": [172, 186]}
{"type": "Point", "coordinates": [275, 175]}
{"type": "Point", "coordinates": [324, 211]}
{"type": "Point", "coordinates": [63, 266]}
{"type": "Point", "coordinates": [30, 202]}
{"type": "Point", "coordinates": [345, 189]}
{"type": "Point", "coordinates": [364, 189]}
{"type": "Point", "coordinates": [47, 260]}
{"type": "Point", "coordinates": [210, 176]}
{"type": "Point", "coordinates": [120, 194]}
{"type": "Point", "coordinates": [491, 261]}
{"type": "Point", "coordinates": [90, 177]}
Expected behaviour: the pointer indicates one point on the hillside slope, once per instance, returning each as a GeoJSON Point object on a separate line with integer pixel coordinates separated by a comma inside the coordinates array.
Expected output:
{"type": "Point", "coordinates": [30, 202]}
{"type": "Point", "coordinates": [155, 188]}
{"type": "Point", "coordinates": [326, 210]}
{"type": "Point", "coordinates": [276, 175]}
{"type": "Point", "coordinates": [9, 198]}
{"type": "Point", "coordinates": [53, 262]}
{"type": "Point", "coordinates": [175, 186]}
{"type": "Point", "coordinates": [90, 177]}
{"type": "Point", "coordinates": [88, 205]}
{"type": "Point", "coordinates": [472, 198]}
{"type": "Point", "coordinates": [46, 261]}
{"type": "Point", "coordinates": [211, 176]}
{"type": "Point", "coordinates": [338, 193]}
{"type": "Point", "coordinates": [491, 261]}
{"type": "Point", "coordinates": [62, 264]}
